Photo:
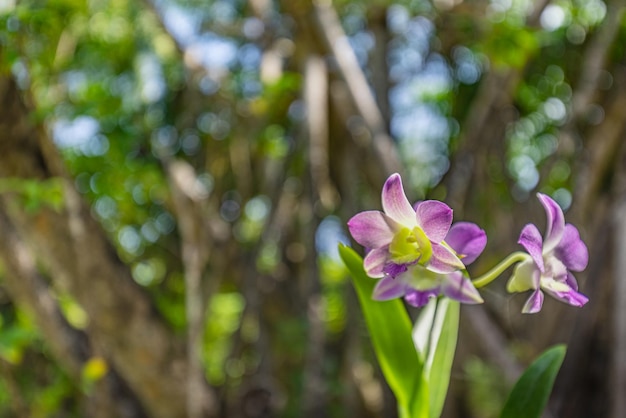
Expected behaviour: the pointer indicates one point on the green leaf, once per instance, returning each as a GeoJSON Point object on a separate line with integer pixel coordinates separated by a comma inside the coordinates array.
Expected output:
{"type": "Point", "coordinates": [531, 392]}
{"type": "Point", "coordinates": [390, 327]}
{"type": "Point", "coordinates": [435, 336]}
{"type": "Point", "coordinates": [35, 194]}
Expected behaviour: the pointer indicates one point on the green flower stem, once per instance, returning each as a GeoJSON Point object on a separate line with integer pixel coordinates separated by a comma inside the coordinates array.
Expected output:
{"type": "Point", "coordinates": [493, 274]}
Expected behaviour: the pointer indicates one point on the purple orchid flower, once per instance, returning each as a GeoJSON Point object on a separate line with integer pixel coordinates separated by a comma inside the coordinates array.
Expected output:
{"type": "Point", "coordinates": [402, 236]}
{"type": "Point", "coordinates": [417, 284]}
{"type": "Point", "coordinates": [551, 259]}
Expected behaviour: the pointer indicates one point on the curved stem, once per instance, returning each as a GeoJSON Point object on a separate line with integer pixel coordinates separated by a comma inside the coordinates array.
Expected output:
{"type": "Point", "coordinates": [493, 274]}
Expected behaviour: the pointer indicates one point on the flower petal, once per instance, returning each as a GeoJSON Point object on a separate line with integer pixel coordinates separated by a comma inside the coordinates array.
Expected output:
{"type": "Point", "coordinates": [395, 203]}
{"type": "Point", "coordinates": [444, 260]}
{"type": "Point", "coordinates": [468, 240]}
{"type": "Point", "coordinates": [419, 298]}
{"type": "Point", "coordinates": [374, 262]}
{"type": "Point", "coordinates": [530, 239]}
{"type": "Point", "coordinates": [572, 251]}
{"type": "Point", "coordinates": [570, 280]}
{"type": "Point", "coordinates": [434, 218]}
{"type": "Point", "coordinates": [525, 277]}
{"type": "Point", "coordinates": [556, 222]}
{"type": "Point", "coordinates": [457, 287]}
{"type": "Point", "coordinates": [554, 286]}
{"type": "Point", "coordinates": [372, 229]}
{"type": "Point", "coordinates": [534, 302]}
{"type": "Point", "coordinates": [388, 288]}
{"type": "Point", "coordinates": [570, 297]}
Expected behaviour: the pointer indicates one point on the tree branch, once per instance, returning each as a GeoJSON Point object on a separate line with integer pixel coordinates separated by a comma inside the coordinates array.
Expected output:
{"type": "Point", "coordinates": [195, 254]}
{"type": "Point", "coordinates": [316, 99]}
{"type": "Point", "coordinates": [70, 347]}
{"type": "Point", "coordinates": [336, 41]}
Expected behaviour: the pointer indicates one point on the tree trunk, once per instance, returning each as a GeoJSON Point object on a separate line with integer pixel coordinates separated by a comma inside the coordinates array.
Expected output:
{"type": "Point", "coordinates": [73, 248]}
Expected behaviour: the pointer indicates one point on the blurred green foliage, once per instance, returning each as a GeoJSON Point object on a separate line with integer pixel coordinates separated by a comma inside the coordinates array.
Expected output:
{"type": "Point", "coordinates": [30, 382]}
{"type": "Point", "coordinates": [33, 194]}
{"type": "Point", "coordinates": [487, 394]}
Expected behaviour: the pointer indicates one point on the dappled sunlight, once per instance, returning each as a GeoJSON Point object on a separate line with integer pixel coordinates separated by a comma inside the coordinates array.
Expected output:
{"type": "Point", "coordinates": [182, 183]}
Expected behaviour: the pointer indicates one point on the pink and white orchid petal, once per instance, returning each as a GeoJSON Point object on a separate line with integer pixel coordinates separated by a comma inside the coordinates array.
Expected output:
{"type": "Point", "coordinates": [570, 280]}
{"type": "Point", "coordinates": [388, 288]}
{"type": "Point", "coordinates": [419, 298]}
{"type": "Point", "coordinates": [468, 240]}
{"type": "Point", "coordinates": [395, 203]}
{"type": "Point", "coordinates": [525, 277]}
{"type": "Point", "coordinates": [556, 222]}
{"type": "Point", "coordinates": [531, 240]}
{"type": "Point", "coordinates": [534, 302]}
{"type": "Point", "coordinates": [374, 262]}
{"type": "Point", "coordinates": [459, 288]}
{"type": "Point", "coordinates": [553, 286]}
{"type": "Point", "coordinates": [371, 229]}
{"type": "Point", "coordinates": [570, 297]}
{"type": "Point", "coordinates": [434, 218]}
{"type": "Point", "coordinates": [572, 251]}
{"type": "Point", "coordinates": [444, 260]}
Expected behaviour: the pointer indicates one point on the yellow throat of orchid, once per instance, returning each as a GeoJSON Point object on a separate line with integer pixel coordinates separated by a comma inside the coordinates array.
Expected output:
{"type": "Point", "coordinates": [409, 245]}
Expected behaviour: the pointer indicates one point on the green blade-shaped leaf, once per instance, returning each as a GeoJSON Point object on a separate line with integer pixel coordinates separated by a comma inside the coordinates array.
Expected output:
{"type": "Point", "coordinates": [531, 392]}
{"type": "Point", "coordinates": [389, 327]}
{"type": "Point", "coordinates": [435, 336]}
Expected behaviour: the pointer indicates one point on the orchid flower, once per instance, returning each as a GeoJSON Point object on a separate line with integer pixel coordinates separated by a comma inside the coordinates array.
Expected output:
{"type": "Point", "coordinates": [549, 261]}
{"type": "Point", "coordinates": [414, 250]}
{"type": "Point", "coordinates": [418, 284]}
{"type": "Point", "coordinates": [402, 236]}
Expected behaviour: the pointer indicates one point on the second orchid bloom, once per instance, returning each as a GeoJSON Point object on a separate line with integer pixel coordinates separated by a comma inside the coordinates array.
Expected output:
{"type": "Point", "coordinates": [550, 261]}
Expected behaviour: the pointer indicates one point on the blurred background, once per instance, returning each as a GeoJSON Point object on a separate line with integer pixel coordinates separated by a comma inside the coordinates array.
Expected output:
{"type": "Point", "coordinates": [175, 176]}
